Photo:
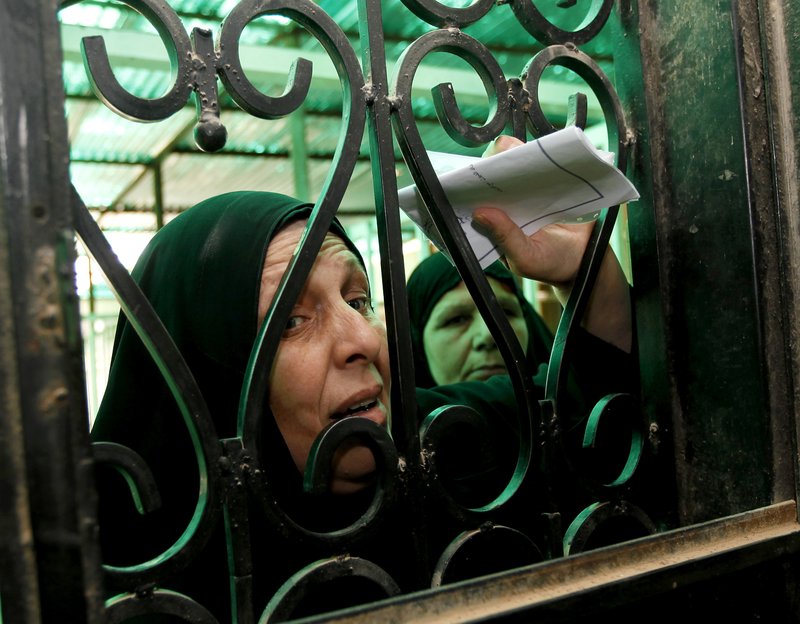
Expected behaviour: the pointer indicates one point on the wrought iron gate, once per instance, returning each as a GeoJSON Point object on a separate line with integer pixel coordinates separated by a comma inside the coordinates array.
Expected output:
{"type": "Point", "coordinates": [689, 417]}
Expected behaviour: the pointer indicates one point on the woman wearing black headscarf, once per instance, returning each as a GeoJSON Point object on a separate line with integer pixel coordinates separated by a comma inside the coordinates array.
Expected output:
{"type": "Point", "coordinates": [457, 320]}
{"type": "Point", "coordinates": [451, 343]}
{"type": "Point", "coordinates": [206, 274]}
{"type": "Point", "coordinates": [211, 274]}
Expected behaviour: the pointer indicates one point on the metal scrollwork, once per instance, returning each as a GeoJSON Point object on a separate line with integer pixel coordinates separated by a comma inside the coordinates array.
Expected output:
{"type": "Point", "coordinates": [157, 602]}
{"type": "Point", "coordinates": [195, 63]}
{"type": "Point", "coordinates": [548, 33]}
{"type": "Point", "coordinates": [179, 48]}
{"type": "Point", "coordinates": [354, 112]}
{"type": "Point", "coordinates": [512, 102]}
{"type": "Point", "coordinates": [507, 547]}
{"type": "Point", "coordinates": [235, 472]}
{"type": "Point", "coordinates": [198, 421]}
{"type": "Point", "coordinates": [589, 521]}
{"type": "Point", "coordinates": [233, 75]}
{"type": "Point", "coordinates": [319, 467]}
{"type": "Point", "coordinates": [437, 425]}
{"type": "Point", "coordinates": [620, 519]}
{"type": "Point", "coordinates": [607, 468]}
{"type": "Point", "coordinates": [617, 407]}
{"type": "Point", "coordinates": [288, 597]}
{"type": "Point", "coordinates": [443, 16]}
{"type": "Point", "coordinates": [135, 471]}
{"type": "Point", "coordinates": [571, 58]}
{"type": "Point", "coordinates": [440, 211]}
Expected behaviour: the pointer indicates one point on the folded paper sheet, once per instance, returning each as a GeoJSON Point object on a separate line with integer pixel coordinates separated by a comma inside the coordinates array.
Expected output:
{"type": "Point", "coordinates": [561, 177]}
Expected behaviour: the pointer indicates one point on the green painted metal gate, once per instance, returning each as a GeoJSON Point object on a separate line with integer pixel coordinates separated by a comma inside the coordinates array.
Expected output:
{"type": "Point", "coordinates": [709, 93]}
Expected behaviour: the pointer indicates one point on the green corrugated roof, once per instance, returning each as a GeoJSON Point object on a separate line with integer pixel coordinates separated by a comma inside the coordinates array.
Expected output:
{"type": "Point", "coordinates": [114, 159]}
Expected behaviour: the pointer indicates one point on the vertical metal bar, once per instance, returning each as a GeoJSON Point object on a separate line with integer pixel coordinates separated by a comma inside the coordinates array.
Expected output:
{"type": "Point", "coordinates": [388, 209]}
{"type": "Point", "coordinates": [90, 343]}
{"type": "Point", "coordinates": [403, 409]}
{"type": "Point", "coordinates": [775, 24]}
{"type": "Point", "coordinates": [700, 233]}
{"type": "Point", "coordinates": [19, 588]}
{"type": "Point", "coordinates": [51, 512]}
{"type": "Point", "coordinates": [158, 194]}
{"type": "Point", "coordinates": [773, 291]}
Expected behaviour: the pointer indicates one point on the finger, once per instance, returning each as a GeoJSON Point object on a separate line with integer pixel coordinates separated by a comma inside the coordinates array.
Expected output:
{"type": "Point", "coordinates": [507, 235]}
{"type": "Point", "coordinates": [501, 144]}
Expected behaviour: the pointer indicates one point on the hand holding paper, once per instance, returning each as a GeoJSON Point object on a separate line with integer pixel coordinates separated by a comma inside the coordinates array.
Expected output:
{"type": "Point", "coordinates": [551, 255]}
{"type": "Point", "coordinates": [560, 177]}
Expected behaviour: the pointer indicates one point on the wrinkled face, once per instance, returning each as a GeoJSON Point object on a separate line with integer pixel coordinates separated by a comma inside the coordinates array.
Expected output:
{"type": "Point", "coordinates": [332, 361]}
{"type": "Point", "coordinates": [458, 345]}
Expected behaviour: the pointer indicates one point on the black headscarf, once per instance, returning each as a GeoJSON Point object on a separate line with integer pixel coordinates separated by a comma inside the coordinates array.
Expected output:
{"type": "Point", "coordinates": [202, 274]}
{"type": "Point", "coordinates": [434, 277]}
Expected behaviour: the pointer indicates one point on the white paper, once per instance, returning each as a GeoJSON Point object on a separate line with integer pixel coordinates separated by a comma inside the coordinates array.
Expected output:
{"type": "Point", "coordinates": [561, 177]}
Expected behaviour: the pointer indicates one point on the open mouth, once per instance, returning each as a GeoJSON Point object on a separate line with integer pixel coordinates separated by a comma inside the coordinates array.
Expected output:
{"type": "Point", "coordinates": [354, 410]}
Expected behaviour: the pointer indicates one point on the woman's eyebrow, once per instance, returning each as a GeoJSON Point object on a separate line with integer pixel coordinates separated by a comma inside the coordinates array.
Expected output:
{"type": "Point", "coordinates": [454, 306]}
{"type": "Point", "coordinates": [354, 268]}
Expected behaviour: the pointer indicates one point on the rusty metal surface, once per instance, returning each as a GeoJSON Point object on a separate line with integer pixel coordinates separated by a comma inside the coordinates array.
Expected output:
{"type": "Point", "coordinates": [47, 501]}
{"type": "Point", "coordinates": [703, 234]}
{"type": "Point", "coordinates": [594, 582]}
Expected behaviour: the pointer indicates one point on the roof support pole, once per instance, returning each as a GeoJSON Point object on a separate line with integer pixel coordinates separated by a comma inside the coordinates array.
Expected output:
{"type": "Point", "coordinates": [297, 124]}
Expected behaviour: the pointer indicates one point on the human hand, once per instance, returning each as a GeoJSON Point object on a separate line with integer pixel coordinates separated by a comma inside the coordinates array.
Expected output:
{"type": "Point", "coordinates": [553, 255]}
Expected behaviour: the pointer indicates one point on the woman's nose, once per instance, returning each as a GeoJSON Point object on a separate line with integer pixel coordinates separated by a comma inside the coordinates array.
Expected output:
{"type": "Point", "coordinates": [482, 339]}
{"type": "Point", "coordinates": [357, 337]}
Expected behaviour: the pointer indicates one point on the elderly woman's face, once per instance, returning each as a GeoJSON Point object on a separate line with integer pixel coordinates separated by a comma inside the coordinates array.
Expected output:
{"type": "Point", "coordinates": [332, 361]}
{"type": "Point", "coordinates": [458, 345]}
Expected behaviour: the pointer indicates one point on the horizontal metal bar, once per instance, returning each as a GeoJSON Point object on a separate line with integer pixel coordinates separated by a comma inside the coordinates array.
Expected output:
{"type": "Point", "coordinates": [651, 565]}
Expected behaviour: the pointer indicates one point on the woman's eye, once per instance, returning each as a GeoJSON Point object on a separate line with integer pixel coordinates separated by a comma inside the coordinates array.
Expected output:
{"type": "Point", "coordinates": [361, 304]}
{"type": "Point", "coordinates": [293, 322]}
{"type": "Point", "coordinates": [457, 319]}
